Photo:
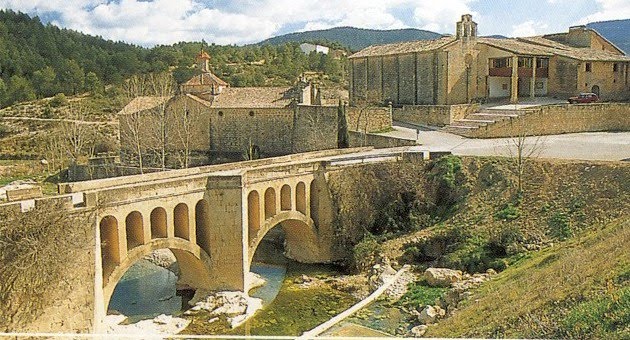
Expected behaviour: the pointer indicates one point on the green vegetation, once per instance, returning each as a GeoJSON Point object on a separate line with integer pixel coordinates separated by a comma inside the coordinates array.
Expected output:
{"type": "Point", "coordinates": [296, 309]}
{"type": "Point", "coordinates": [352, 38]}
{"type": "Point", "coordinates": [577, 289]}
{"type": "Point", "coordinates": [38, 61]}
{"type": "Point", "coordinates": [508, 213]}
{"type": "Point", "coordinates": [366, 252]}
{"type": "Point", "coordinates": [420, 294]}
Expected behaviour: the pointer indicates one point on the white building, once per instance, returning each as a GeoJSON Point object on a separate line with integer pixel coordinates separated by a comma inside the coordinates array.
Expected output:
{"type": "Point", "coordinates": [308, 48]}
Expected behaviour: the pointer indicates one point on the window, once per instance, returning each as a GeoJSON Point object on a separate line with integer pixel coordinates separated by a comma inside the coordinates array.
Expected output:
{"type": "Point", "coordinates": [524, 62]}
{"type": "Point", "coordinates": [220, 113]}
{"type": "Point", "coordinates": [588, 67]}
{"type": "Point", "coordinates": [500, 62]}
{"type": "Point", "coordinates": [504, 86]}
{"type": "Point", "coordinates": [542, 63]}
{"type": "Point", "coordinates": [615, 67]}
{"type": "Point", "coordinates": [251, 113]}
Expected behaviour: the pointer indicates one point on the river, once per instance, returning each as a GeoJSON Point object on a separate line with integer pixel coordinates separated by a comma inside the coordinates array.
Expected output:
{"type": "Point", "coordinates": [289, 307]}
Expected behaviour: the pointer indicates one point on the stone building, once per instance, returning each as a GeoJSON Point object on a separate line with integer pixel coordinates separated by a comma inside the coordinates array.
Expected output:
{"type": "Point", "coordinates": [210, 119]}
{"type": "Point", "coordinates": [465, 68]}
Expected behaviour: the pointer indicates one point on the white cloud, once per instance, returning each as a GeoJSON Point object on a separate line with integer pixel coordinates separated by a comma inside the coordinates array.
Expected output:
{"type": "Point", "coordinates": [440, 16]}
{"type": "Point", "coordinates": [529, 28]}
{"type": "Point", "coordinates": [608, 10]}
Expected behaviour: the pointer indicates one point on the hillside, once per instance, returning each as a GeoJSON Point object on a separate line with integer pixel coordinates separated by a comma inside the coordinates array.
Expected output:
{"type": "Point", "coordinates": [353, 38]}
{"type": "Point", "coordinates": [616, 31]}
{"type": "Point", "coordinates": [560, 246]}
{"type": "Point", "coordinates": [39, 61]}
{"type": "Point", "coordinates": [577, 289]}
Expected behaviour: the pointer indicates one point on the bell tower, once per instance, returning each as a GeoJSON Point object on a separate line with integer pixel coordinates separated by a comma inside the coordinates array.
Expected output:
{"type": "Point", "coordinates": [466, 28]}
{"type": "Point", "coordinates": [203, 61]}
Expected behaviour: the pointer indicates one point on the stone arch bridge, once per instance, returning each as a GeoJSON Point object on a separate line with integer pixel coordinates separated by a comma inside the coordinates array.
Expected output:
{"type": "Point", "coordinates": [212, 218]}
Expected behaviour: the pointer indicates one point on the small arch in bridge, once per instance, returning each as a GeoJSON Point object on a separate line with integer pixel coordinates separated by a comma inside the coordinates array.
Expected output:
{"type": "Point", "coordinates": [315, 202]}
{"type": "Point", "coordinates": [158, 223]}
{"type": "Point", "coordinates": [180, 220]}
{"type": "Point", "coordinates": [285, 197]}
{"type": "Point", "coordinates": [300, 197]}
{"type": "Point", "coordinates": [202, 223]}
{"type": "Point", "coordinates": [134, 228]}
{"type": "Point", "coordinates": [270, 203]}
{"type": "Point", "coordinates": [110, 249]}
{"type": "Point", "coordinates": [253, 212]}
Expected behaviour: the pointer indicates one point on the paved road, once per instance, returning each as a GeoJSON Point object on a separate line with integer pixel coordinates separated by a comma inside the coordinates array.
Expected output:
{"type": "Point", "coordinates": [586, 146]}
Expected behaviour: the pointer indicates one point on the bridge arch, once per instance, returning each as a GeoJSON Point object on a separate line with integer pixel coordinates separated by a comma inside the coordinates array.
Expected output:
{"type": "Point", "coordinates": [180, 221]}
{"type": "Point", "coordinates": [270, 202]}
{"type": "Point", "coordinates": [194, 264]}
{"type": "Point", "coordinates": [300, 197]}
{"type": "Point", "coordinates": [301, 238]}
{"type": "Point", "coordinates": [135, 230]}
{"type": "Point", "coordinates": [158, 223]}
{"type": "Point", "coordinates": [285, 198]}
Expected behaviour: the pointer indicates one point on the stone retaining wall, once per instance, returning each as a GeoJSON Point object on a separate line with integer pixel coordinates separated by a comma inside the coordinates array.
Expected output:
{"type": "Point", "coordinates": [559, 119]}
{"type": "Point", "coordinates": [434, 115]}
{"type": "Point", "coordinates": [371, 119]}
{"type": "Point", "coordinates": [358, 139]}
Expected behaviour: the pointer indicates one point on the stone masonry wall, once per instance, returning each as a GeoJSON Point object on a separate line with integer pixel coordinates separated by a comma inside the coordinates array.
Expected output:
{"type": "Point", "coordinates": [371, 119]}
{"type": "Point", "coordinates": [315, 128]}
{"type": "Point", "coordinates": [359, 139]}
{"type": "Point", "coordinates": [564, 118]}
{"type": "Point", "coordinates": [434, 115]}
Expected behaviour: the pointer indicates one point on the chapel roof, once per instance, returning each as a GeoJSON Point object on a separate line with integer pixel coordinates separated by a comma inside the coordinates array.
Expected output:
{"type": "Point", "coordinates": [403, 47]}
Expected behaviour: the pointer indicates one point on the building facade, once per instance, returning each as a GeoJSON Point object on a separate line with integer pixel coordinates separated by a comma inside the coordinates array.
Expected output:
{"type": "Point", "coordinates": [465, 68]}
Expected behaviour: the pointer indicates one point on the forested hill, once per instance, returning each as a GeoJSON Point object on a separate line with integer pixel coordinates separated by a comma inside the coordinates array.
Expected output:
{"type": "Point", "coordinates": [617, 31]}
{"type": "Point", "coordinates": [38, 60]}
{"type": "Point", "coordinates": [41, 60]}
{"type": "Point", "coordinates": [353, 38]}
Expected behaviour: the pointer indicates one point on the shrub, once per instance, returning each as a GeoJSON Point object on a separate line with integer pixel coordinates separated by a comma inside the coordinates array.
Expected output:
{"type": "Point", "coordinates": [447, 177]}
{"type": "Point", "coordinates": [560, 225]}
{"type": "Point", "coordinates": [366, 252]}
{"type": "Point", "coordinates": [5, 131]}
{"type": "Point", "coordinates": [508, 213]}
{"type": "Point", "coordinates": [59, 100]}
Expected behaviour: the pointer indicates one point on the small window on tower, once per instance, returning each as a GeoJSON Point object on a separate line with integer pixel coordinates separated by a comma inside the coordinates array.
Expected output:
{"type": "Point", "coordinates": [615, 67]}
{"type": "Point", "coordinates": [588, 67]}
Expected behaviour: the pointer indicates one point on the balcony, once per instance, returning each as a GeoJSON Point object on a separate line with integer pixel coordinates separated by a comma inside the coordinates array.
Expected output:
{"type": "Point", "coordinates": [525, 72]}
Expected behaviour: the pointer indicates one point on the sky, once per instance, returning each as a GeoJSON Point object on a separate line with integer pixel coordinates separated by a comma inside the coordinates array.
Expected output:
{"type": "Point", "coordinates": [155, 22]}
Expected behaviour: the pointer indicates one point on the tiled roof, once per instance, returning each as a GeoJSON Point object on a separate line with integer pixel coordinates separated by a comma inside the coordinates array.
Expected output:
{"type": "Point", "coordinates": [517, 47]}
{"type": "Point", "coordinates": [579, 53]}
{"type": "Point", "coordinates": [250, 97]}
{"type": "Point", "coordinates": [143, 103]}
{"type": "Point", "coordinates": [206, 78]}
{"type": "Point", "coordinates": [403, 47]}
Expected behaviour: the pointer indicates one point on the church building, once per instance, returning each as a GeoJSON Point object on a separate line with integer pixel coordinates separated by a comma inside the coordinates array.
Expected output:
{"type": "Point", "coordinates": [467, 68]}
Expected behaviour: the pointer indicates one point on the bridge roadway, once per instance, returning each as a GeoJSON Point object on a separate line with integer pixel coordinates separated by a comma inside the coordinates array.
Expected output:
{"type": "Point", "coordinates": [213, 217]}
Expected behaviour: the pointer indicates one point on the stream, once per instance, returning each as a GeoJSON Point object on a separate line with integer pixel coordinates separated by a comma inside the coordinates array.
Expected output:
{"type": "Point", "coordinates": [289, 308]}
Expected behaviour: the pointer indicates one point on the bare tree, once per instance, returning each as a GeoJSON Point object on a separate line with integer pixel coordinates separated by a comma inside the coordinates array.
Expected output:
{"type": "Point", "coordinates": [363, 118]}
{"type": "Point", "coordinates": [184, 120]}
{"type": "Point", "coordinates": [131, 127]}
{"type": "Point", "coordinates": [160, 85]}
{"type": "Point", "coordinates": [77, 134]}
{"type": "Point", "coordinates": [522, 146]}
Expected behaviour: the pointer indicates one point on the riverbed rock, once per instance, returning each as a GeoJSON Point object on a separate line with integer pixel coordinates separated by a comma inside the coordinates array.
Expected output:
{"type": "Point", "coordinates": [428, 315]}
{"type": "Point", "coordinates": [255, 280]}
{"type": "Point", "coordinates": [419, 331]}
{"type": "Point", "coordinates": [162, 257]}
{"type": "Point", "coordinates": [442, 277]}
{"type": "Point", "coordinates": [237, 306]}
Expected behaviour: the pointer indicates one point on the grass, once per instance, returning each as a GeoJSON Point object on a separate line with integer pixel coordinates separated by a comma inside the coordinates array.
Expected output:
{"type": "Point", "coordinates": [570, 290]}
{"type": "Point", "coordinates": [420, 294]}
{"type": "Point", "coordinates": [13, 170]}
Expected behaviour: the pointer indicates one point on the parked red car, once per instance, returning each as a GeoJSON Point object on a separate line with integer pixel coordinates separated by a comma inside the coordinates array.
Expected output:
{"type": "Point", "coordinates": [584, 98]}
